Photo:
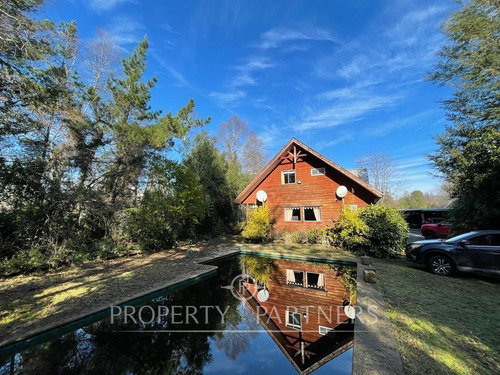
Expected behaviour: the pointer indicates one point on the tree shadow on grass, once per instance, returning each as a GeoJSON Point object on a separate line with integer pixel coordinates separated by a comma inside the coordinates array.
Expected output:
{"type": "Point", "coordinates": [448, 320]}
{"type": "Point", "coordinates": [30, 308]}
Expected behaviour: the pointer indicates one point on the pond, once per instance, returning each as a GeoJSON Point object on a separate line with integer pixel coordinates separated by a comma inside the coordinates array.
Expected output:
{"type": "Point", "coordinates": [256, 314]}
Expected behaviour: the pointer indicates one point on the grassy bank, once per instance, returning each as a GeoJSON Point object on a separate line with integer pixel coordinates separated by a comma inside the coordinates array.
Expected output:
{"type": "Point", "coordinates": [442, 325]}
{"type": "Point", "coordinates": [40, 301]}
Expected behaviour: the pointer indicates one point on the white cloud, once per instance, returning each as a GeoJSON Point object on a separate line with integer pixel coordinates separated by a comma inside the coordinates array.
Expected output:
{"type": "Point", "coordinates": [181, 80]}
{"type": "Point", "coordinates": [245, 76]}
{"type": "Point", "coordinates": [274, 38]}
{"type": "Point", "coordinates": [246, 70]}
{"type": "Point", "coordinates": [343, 107]}
{"type": "Point", "coordinates": [429, 14]}
{"type": "Point", "coordinates": [229, 98]}
{"type": "Point", "coordinates": [168, 28]}
{"type": "Point", "coordinates": [256, 63]}
{"type": "Point", "coordinates": [413, 162]}
{"type": "Point", "coordinates": [105, 5]}
{"type": "Point", "coordinates": [125, 30]}
{"type": "Point", "coordinates": [355, 67]}
{"type": "Point", "coordinates": [405, 50]}
{"type": "Point", "coordinates": [406, 154]}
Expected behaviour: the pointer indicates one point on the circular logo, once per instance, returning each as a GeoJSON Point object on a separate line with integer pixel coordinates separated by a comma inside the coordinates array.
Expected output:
{"type": "Point", "coordinates": [239, 290]}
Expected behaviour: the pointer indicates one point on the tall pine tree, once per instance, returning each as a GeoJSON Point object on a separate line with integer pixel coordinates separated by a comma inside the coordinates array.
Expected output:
{"type": "Point", "coordinates": [469, 149]}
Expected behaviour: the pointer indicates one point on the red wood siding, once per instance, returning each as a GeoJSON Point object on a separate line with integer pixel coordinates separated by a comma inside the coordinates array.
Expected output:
{"type": "Point", "coordinates": [306, 301]}
{"type": "Point", "coordinates": [312, 191]}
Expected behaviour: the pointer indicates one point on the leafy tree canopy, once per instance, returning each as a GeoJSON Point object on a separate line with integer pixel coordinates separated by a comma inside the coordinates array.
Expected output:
{"type": "Point", "coordinates": [469, 149]}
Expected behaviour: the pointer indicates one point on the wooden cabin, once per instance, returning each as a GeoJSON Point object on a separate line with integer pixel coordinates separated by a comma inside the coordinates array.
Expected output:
{"type": "Point", "coordinates": [304, 311]}
{"type": "Point", "coordinates": [301, 187]}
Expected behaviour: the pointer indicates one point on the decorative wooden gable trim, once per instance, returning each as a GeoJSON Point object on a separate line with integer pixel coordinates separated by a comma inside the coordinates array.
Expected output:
{"type": "Point", "coordinates": [295, 156]}
{"type": "Point", "coordinates": [294, 151]}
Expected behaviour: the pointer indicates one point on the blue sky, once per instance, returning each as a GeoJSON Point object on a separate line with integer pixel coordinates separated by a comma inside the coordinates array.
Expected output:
{"type": "Point", "coordinates": [344, 77]}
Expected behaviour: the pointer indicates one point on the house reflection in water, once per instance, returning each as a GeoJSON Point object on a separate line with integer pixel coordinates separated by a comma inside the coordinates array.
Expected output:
{"type": "Point", "coordinates": [303, 311]}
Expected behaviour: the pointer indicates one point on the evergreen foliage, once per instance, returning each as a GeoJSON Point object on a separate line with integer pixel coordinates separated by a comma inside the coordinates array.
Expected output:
{"type": "Point", "coordinates": [388, 231]}
{"type": "Point", "coordinates": [83, 158]}
{"type": "Point", "coordinates": [350, 232]}
{"type": "Point", "coordinates": [208, 163]}
{"type": "Point", "coordinates": [87, 164]}
{"type": "Point", "coordinates": [469, 150]}
{"type": "Point", "coordinates": [258, 228]}
{"type": "Point", "coordinates": [173, 201]}
{"type": "Point", "coordinates": [377, 230]}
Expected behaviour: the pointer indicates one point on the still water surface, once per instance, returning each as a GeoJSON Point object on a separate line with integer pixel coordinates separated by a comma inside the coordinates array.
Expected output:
{"type": "Point", "coordinates": [255, 315]}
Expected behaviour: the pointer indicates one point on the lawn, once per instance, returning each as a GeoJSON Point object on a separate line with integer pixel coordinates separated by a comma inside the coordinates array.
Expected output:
{"type": "Point", "coordinates": [36, 302]}
{"type": "Point", "coordinates": [442, 325]}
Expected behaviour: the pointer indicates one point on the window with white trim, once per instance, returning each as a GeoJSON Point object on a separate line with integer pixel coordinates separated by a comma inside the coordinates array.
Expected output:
{"type": "Point", "coordinates": [315, 280]}
{"type": "Point", "coordinates": [312, 213]}
{"type": "Point", "coordinates": [294, 277]}
{"type": "Point", "coordinates": [293, 319]}
{"type": "Point", "coordinates": [322, 330]}
{"type": "Point", "coordinates": [292, 214]}
{"type": "Point", "coordinates": [317, 171]}
{"type": "Point", "coordinates": [288, 177]}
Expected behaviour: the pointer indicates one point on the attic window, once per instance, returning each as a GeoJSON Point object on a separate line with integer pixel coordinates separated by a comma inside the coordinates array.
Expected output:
{"type": "Point", "coordinates": [293, 320]}
{"type": "Point", "coordinates": [288, 177]}
{"type": "Point", "coordinates": [317, 171]}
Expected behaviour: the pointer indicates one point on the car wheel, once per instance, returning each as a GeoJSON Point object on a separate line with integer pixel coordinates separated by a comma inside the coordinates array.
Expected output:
{"type": "Point", "coordinates": [441, 265]}
{"type": "Point", "coordinates": [429, 235]}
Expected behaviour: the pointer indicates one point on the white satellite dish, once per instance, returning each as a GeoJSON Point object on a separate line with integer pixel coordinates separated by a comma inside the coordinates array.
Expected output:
{"type": "Point", "coordinates": [341, 191]}
{"type": "Point", "coordinates": [263, 295]}
{"type": "Point", "coordinates": [350, 311]}
{"type": "Point", "coordinates": [261, 196]}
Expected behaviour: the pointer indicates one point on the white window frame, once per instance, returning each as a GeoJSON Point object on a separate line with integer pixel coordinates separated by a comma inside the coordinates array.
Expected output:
{"type": "Point", "coordinates": [318, 171]}
{"type": "Point", "coordinates": [291, 325]}
{"type": "Point", "coordinates": [303, 278]}
{"type": "Point", "coordinates": [322, 330]}
{"type": "Point", "coordinates": [293, 208]}
{"type": "Point", "coordinates": [288, 172]}
{"type": "Point", "coordinates": [320, 214]}
{"type": "Point", "coordinates": [307, 281]}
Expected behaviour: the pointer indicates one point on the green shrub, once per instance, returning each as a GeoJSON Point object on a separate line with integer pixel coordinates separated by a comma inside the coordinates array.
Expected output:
{"type": "Point", "coordinates": [388, 231]}
{"type": "Point", "coordinates": [258, 227]}
{"type": "Point", "coordinates": [299, 237]}
{"type": "Point", "coordinates": [313, 236]}
{"type": "Point", "coordinates": [172, 202]}
{"type": "Point", "coordinates": [23, 261]}
{"type": "Point", "coordinates": [350, 232]}
{"type": "Point", "coordinates": [286, 236]}
{"type": "Point", "coordinates": [259, 268]}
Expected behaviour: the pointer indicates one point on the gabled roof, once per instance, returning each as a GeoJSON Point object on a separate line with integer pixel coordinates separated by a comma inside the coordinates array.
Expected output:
{"type": "Point", "coordinates": [261, 176]}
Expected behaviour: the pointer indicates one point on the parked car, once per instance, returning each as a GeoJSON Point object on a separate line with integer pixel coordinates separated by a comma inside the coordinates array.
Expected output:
{"type": "Point", "coordinates": [439, 230]}
{"type": "Point", "coordinates": [433, 220]}
{"type": "Point", "coordinates": [477, 251]}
